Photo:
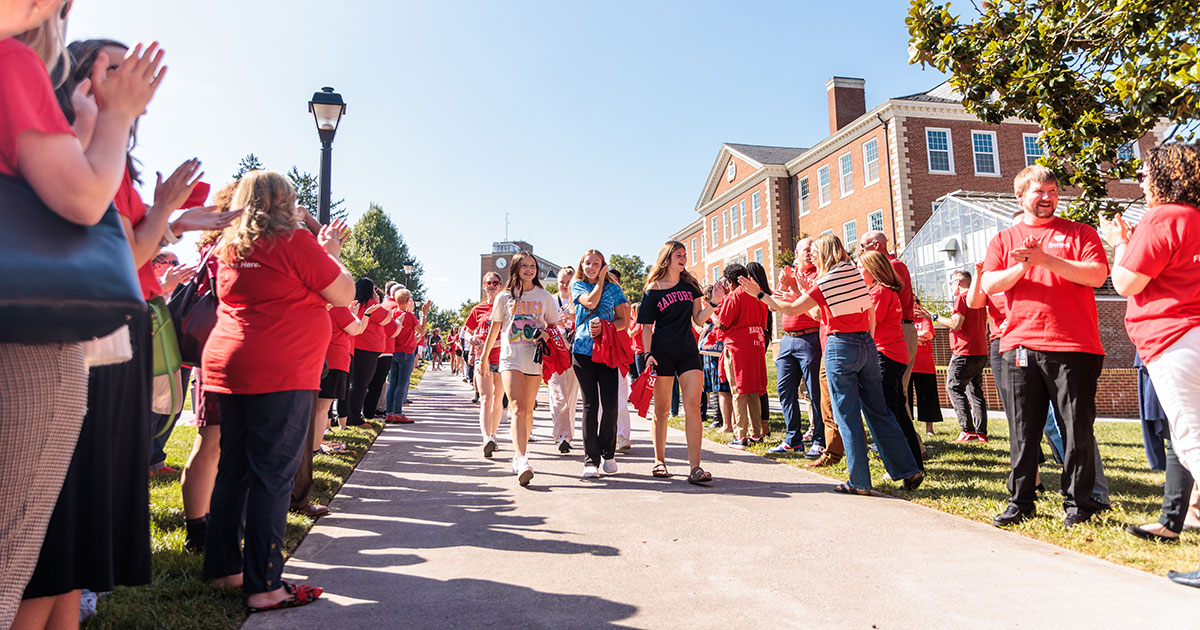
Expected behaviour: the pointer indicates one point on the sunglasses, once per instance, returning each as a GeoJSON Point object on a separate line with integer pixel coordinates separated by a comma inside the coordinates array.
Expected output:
{"type": "Point", "coordinates": [492, 283]}
{"type": "Point", "coordinates": [173, 263]}
{"type": "Point", "coordinates": [529, 332]}
{"type": "Point", "coordinates": [1141, 176]}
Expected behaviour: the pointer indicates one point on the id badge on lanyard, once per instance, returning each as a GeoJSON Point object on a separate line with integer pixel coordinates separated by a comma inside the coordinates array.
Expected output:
{"type": "Point", "coordinates": [1022, 357]}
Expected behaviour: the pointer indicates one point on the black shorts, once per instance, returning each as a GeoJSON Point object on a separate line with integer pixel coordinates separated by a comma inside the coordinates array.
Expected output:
{"type": "Point", "coordinates": [675, 365]}
{"type": "Point", "coordinates": [333, 386]}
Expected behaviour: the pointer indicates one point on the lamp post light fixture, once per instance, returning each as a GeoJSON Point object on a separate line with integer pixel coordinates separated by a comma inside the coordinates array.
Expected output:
{"type": "Point", "coordinates": [327, 108]}
{"type": "Point", "coordinates": [407, 270]}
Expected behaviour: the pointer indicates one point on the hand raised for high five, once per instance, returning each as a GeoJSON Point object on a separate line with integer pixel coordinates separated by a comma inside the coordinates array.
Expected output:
{"type": "Point", "coordinates": [332, 237]}
{"type": "Point", "coordinates": [130, 86]}
{"type": "Point", "coordinates": [748, 284]}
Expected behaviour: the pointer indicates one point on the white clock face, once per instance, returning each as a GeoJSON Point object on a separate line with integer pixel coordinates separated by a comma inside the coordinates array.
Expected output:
{"type": "Point", "coordinates": [501, 263]}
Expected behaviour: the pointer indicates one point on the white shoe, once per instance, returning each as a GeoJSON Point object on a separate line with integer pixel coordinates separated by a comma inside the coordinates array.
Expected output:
{"type": "Point", "coordinates": [623, 444]}
{"type": "Point", "coordinates": [609, 466]}
{"type": "Point", "coordinates": [523, 470]}
{"type": "Point", "coordinates": [590, 472]}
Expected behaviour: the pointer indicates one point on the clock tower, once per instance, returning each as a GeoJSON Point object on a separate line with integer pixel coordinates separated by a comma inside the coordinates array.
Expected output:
{"type": "Point", "coordinates": [499, 258]}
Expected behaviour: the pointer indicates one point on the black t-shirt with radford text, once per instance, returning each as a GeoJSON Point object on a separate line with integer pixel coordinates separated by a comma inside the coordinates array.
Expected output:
{"type": "Point", "coordinates": [670, 310]}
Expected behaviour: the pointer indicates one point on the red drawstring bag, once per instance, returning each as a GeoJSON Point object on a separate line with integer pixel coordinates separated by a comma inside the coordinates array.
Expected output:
{"type": "Point", "coordinates": [642, 392]}
{"type": "Point", "coordinates": [557, 358]}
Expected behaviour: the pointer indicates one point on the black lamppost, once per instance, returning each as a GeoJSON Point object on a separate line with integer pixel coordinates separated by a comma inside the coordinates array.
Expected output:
{"type": "Point", "coordinates": [327, 108]}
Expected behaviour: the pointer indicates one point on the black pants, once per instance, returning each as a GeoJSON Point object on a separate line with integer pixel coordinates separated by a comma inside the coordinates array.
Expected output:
{"type": "Point", "coordinates": [964, 387]}
{"type": "Point", "coordinates": [996, 362]}
{"type": "Point", "coordinates": [1177, 491]}
{"type": "Point", "coordinates": [470, 368]}
{"type": "Point", "coordinates": [892, 373]}
{"type": "Point", "coordinates": [1068, 381]}
{"type": "Point", "coordinates": [362, 370]}
{"type": "Point", "coordinates": [375, 388]}
{"type": "Point", "coordinates": [598, 384]}
{"type": "Point", "coordinates": [262, 436]}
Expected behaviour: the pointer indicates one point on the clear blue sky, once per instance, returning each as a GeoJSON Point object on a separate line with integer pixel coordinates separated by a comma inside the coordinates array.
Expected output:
{"type": "Point", "coordinates": [594, 124]}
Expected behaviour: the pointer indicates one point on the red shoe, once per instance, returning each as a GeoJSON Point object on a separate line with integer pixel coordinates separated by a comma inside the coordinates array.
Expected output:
{"type": "Point", "coordinates": [164, 469]}
{"type": "Point", "coordinates": [403, 419]}
{"type": "Point", "coordinates": [964, 437]}
{"type": "Point", "coordinates": [979, 437]}
{"type": "Point", "coordinates": [391, 419]}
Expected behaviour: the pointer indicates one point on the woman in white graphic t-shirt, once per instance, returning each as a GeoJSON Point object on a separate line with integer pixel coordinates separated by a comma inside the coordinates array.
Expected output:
{"type": "Point", "coordinates": [520, 317]}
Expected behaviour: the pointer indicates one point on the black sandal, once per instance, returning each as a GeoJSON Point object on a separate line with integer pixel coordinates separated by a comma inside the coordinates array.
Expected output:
{"type": "Point", "coordinates": [914, 482]}
{"type": "Point", "coordinates": [699, 476]}
{"type": "Point", "coordinates": [846, 488]}
{"type": "Point", "coordinates": [660, 470]}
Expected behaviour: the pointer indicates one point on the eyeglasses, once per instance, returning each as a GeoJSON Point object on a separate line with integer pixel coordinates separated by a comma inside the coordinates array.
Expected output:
{"type": "Point", "coordinates": [173, 263]}
{"type": "Point", "coordinates": [1141, 176]}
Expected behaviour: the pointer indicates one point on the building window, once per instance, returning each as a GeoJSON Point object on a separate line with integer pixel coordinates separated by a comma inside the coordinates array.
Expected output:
{"type": "Point", "coordinates": [850, 233]}
{"type": "Point", "coordinates": [1033, 148]}
{"type": "Point", "coordinates": [941, 153]}
{"type": "Point", "coordinates": [983, 144]}
{"type": "Point", "coordinates": [758, 256]}
{"type": "Point", "coordinates": [846, 174]}
{"type": "Point", "coordinates": [742, 212]}
{"type": "Point", "coordinates": [756, 205]}
{"type": "Point", "coordinates": [823, 187]}
{"type": "Point", "coordinates": [827, 231]}
{"type": "Point", "coordinates": [805, 202]}
{"type": "Point", "coordinates": [725, 223]}
{"type": "Point", "coordinates": [735, 227]}
{"type": "Point", "coordinates": [692, 251]}
{"type": "Point", "coordinates": [713, 234]}
{"type": "Point", "coordinates": [1127, 152]}
{"type": "Point", "coordinates": [870, 162]}
{"type": "Point", "coordinates": [716, 274]}
{"type": "Point", "coordinates": [875, 221]}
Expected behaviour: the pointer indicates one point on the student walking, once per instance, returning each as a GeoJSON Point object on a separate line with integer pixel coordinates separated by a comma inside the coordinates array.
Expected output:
{"type": "Point", "coordinates": [564, 387]}
{"type": "Point", "coordinates": [488, 385]}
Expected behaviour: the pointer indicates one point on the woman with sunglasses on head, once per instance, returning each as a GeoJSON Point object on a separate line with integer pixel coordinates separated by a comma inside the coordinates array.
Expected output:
{"type": "Point", "coordinates": [671, 306]}
{"type": "Point", "coordinates": [488, 384]}
{"type": "Point", "coordinates": [520, 317]}
{"type": "Point", "coordinates": [598, 299]}
{"type": "Point", "coordinates": [852, 365]}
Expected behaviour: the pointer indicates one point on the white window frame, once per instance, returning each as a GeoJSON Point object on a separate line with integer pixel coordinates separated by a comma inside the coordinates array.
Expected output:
{"type": "Point", "coordinates": [975, 154]}
{"type": "Point", "coordinates": [829, 231]}
{"type": "Point", "coordinates": [735, 227]}
{"type": "Point", "coordinates": [692, 251]}
{"type": "Point", "coordinates": [713, 240]}
{"type": "Point", "coordinates": [846, 240]}
{"type": "Point", "coordinates": [949, 151]}
{"type": "Point", "coordinates": [877, 213]}
{"type": "Point", "coordinates": [716, 273]}
{"type": "Point", "coordinates": [1025, 148]}
{"type": "Point", "coordinates": [758, 255]}
{"type": "Point", "coordinates": [756, 206]}
{"type": "Point", "coordinates": [846, 179]}
{"type": "Point", "coordinates": [725, 225]}
{"type": "Point", "coordinates": [804, 194]}
{"type": "Point", "coordinates": [868, 163]}
{"type": "Point", "coordinates": [742, 213]}
{"type": "Point", "coordinates": [824, 191]}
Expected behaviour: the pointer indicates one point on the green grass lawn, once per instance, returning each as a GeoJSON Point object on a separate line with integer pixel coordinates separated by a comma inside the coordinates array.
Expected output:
{"type": "Point", "coordinates": [968, 480]}
{"type": "Point", "coordinates": [177, 597]}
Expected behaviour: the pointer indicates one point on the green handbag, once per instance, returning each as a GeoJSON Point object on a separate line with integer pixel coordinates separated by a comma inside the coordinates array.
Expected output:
{"type": "Point", "coordinates": [167, 395]}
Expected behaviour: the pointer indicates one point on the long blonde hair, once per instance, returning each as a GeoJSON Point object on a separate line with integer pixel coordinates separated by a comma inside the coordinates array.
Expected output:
{"type": "Point", "coordinates": [49, 41]}
{"type": "Point", "coordinates": [880, 269]}
{"type": "Point", "coordinates": [828, 252]}
{"type": "Point", "coordinates": [268, 204]}
{"type": "Point", "coordinates": [663, 263]}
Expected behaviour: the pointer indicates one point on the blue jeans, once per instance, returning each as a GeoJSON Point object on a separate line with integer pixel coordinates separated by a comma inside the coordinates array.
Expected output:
{"type": "Point", "coordinates": [398, 378]}
{"type": "Point", "coordinates": [799, 358]}
{"type": "Point", "coordinates": [1054, 436]}
{"type": "Point", "coordinates": [856, 386]}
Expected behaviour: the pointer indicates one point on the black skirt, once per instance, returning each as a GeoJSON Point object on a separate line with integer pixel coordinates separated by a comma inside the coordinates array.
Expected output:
{"type": "Point", "coordinates": [99, 534]}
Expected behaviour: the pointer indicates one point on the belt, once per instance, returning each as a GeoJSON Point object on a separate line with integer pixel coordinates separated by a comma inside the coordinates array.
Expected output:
{"type": "Point", "coordinates": [800, 333]}
{"type": "Point", "coordinates": [907, 321]}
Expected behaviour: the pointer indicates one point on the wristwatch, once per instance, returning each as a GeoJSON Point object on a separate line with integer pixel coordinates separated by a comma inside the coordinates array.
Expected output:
{"type": "Point", "coordinates": [760, 295]}
{"type": "Point", "coordinates": [712, 304]}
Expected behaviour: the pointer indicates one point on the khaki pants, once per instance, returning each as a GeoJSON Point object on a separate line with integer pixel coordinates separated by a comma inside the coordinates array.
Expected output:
{"type": "Point", "coordinates": [833, 439]}
{"type": "Point", "coordinates": [747, 408]}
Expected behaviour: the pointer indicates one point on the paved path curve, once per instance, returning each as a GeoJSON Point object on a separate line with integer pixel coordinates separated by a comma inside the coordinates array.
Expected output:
{"type": "Point", "coordinates": [428, 534]}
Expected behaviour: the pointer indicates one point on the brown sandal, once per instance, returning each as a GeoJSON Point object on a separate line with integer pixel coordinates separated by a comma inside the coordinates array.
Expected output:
{"type": "Point", "coordinates": [825, 460]}
{"type": "Point", "coordinates": [660, 470]}
{"type": "Point", "coordinates": [699, 476]}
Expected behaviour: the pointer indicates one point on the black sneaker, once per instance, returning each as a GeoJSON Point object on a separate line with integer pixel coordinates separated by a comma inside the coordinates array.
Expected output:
{"type": "Point", "coordinates": [488, 448]}
{"type": "Point", "coordinates": [564, 447]}
{"type": "Point", "coordinates": [475, 399]}
{"type": "Point", "coordinates": [1011, 516]}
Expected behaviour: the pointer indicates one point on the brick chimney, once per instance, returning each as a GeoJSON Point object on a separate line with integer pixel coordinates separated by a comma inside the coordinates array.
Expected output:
{"type": "Point", "coordinates": [847, 101]}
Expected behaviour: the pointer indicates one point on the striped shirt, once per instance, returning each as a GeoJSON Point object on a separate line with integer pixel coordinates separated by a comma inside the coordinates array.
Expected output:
{"type": "Point", "coordinates": [844, 299]}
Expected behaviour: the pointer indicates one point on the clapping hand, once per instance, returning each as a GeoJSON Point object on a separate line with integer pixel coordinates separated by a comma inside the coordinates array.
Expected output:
{"type": "Point", "coordinates": [332, 237]}
{"type": "Point", "coordinates": [171, 193]}
{"type": "Point", "coordinates": [787, 279]}
{"type": "Point", "coordinates": [749, 285]}
{"type": "Point", "coordinates": [204, 218]}
{"type": "Point", "coordinates": [129, 88]}
{"type": "Point", "coordinates": [175, 275]}
{"type": "Point", "coordinates": [1030, 255]}
{"type": "Point", "coordinates": [718, 292]}
{"type": "Point", "coordinates": [86, 111]}
{"type": "Point", "coordinates": [1115, 230]}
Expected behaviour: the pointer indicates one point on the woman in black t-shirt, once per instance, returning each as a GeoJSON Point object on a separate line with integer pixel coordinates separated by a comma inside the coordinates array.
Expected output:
{"type": "Point", "coordinates": [671, 305]}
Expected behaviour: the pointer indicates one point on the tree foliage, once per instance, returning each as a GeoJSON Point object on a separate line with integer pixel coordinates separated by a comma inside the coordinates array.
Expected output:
{"type": "Point", "coordinates": [443, 318]}
{"type": "Point", "coordinates": [633, 274]}
{"type": "Point", "coordinates": [464, 309]}
{"type": "Point", "coordinates": [376, 250]}
{"type": "Point", "coordinates": [307, 190]}
{"type": "Point", "coordinates": [1095, 74]}
{"type": "Point", "coordinates": [248, 163]}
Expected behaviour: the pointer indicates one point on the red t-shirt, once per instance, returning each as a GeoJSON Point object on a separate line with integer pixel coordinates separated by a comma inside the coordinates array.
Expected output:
{"type": "Point", "coordinates": [392, 307]}
{"type": "Point", "coordinates": [27, 101]}
{"type": "Point", "coordinates": [742, 317]}
{"type": "Point", "coordinates": [796, 323]}
{"type": "Point", "coordinates": [1046, 312]}
{"type": "Point", "coordinates": [997, 310]}
{"type": "Point", "coordinates": [971, 339]}
{"type": "Point", "coordinates": [479, 322]}
{"type": "Point", "coordinates": [374, 338]}
{"type": "Point", "coordinates": [272, 329]}
{"type": "Point", "coordinates": [340, 345]}
{"type": "Point", "coordinates": [1166, 248]}
{"type": "Point", "coordinates": [906, 292]}
{"type": "Point", "coordinates": [923, 364]}
{"type": "Point", "coordinates": [850, 301]}
{"type": "Point", "coordinates": [635, 333]}
{"type": "Point", "coordinates": [129, 204]}
{"type": "Point", "coordinates": [889, 336]}
{"type": "Point", "coordinates": [406, 341]}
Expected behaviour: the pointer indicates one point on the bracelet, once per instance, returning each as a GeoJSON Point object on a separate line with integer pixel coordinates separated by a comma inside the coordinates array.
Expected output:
{"type": "Point", "coordinates": [1119, 244]}
{"type": "Point", "coordinates": [712, 304]}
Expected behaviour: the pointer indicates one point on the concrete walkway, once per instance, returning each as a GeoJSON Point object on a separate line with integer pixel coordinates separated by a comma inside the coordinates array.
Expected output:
{"type": "Point", "coordinates": [429, 534]}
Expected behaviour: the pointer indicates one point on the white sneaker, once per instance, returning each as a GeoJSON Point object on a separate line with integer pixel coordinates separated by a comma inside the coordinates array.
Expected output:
{"type": "Point", "coordinates": [523, 470]}
{"type": "Point", "coordinates": [623, 444]}
{"type": "Point", "coordinates": [590, 471]}
{"type": "Point", "coordinates": [609, 466]}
